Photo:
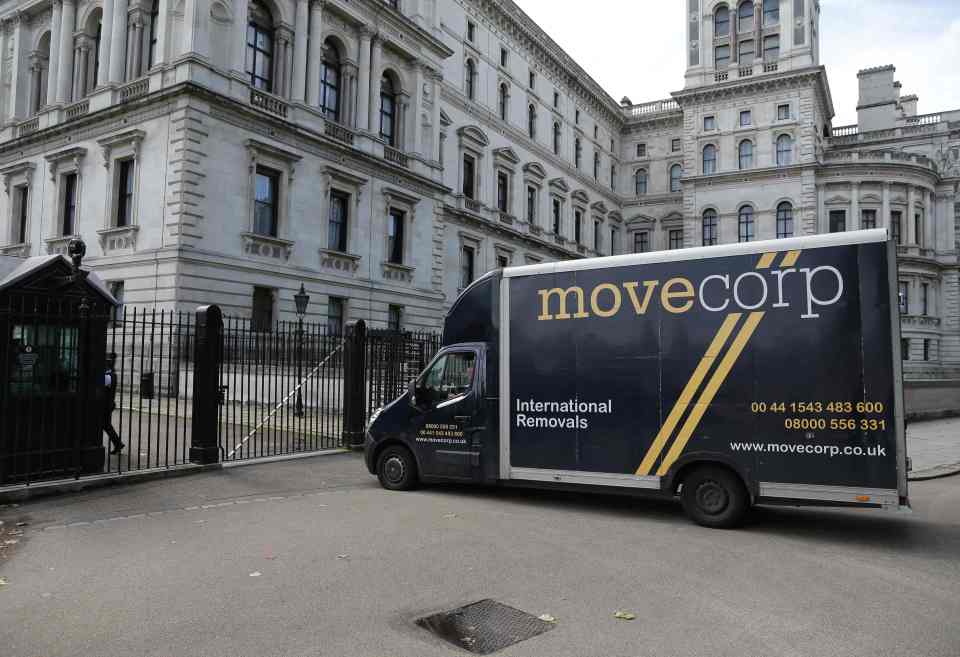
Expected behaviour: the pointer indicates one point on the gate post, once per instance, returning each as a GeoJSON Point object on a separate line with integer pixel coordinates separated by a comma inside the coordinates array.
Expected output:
{"type": "Point", "coordinates": [204, 444]}
{"type": "Point", "coordinates": [354, 385]}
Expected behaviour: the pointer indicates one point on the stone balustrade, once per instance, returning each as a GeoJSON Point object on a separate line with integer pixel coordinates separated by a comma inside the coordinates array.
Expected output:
{"type": "Point", "coordinates": [268, 103]}
{"type": "Point", "coordinates": [653, 107]}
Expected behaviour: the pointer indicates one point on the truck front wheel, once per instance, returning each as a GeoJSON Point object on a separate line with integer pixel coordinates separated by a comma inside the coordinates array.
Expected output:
{"type": "Point", "coordinates": [714, 497]}
{"type": "Point", "coordinates": [397, 469]}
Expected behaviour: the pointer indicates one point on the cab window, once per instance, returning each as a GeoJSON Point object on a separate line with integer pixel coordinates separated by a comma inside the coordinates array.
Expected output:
{"type": "Point", "coordinates": [450, 376]}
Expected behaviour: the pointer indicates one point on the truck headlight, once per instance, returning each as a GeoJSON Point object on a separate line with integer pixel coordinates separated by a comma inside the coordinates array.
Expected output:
{"type": "Point", "coordinates": [374, 415]}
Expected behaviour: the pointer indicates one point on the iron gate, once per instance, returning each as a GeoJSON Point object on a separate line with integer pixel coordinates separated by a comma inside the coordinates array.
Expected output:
{"type": "Point", "coordinates": [281, 390]}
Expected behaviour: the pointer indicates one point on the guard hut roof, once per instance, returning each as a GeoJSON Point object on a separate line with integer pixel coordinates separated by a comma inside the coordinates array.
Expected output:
{"type": "Point", "coordinates": [15, 270]}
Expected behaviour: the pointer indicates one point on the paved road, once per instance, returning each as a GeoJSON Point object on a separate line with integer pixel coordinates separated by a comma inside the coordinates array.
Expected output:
{"type": "Point", "coordinates": [164, 568]}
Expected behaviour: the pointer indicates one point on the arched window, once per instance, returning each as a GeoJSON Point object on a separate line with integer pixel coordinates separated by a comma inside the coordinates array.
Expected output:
{"type": "Point", "coordinates": [640, 181]}
{"type": "Point", "coordinates": [709, 159]}
{"type": "Point", "coordinates": [471, 79]}
{"type": "Point", "coordinates": [745, 154]}
{"type": "Point", "coordinates": [502, 101]}
{"type": "Point", "coordinates": [745, 224]}
{"type": "Point", "coordinates": [260, 47]}
{"type": "Point", "coordinates": [710, 232]}
{"type": "Point", "coordinates": [152, 55]}
{"type": "Point", "coordinates": [532, 121]}
{"type": "Point", "coordinates": [577, 152]}
{"type": "Point", "coordinates": [388, 111]}
{"type": "Point", "coordinates": [745, 16]}
{"type": "Point", "coordinates": [556, 138]}
{"type": "Point", "coordinates": [330, 82]}
{"type": "Point", "coordinates": [771, 12]}
{"type": "Point", "coordinates": [721, 21]}
{"type": "Point", "coordinates": [675, 173]}
{"type": "Point", "coordinates": [784, 220]}
{"type": "Point", "coordinates": [784, 150]}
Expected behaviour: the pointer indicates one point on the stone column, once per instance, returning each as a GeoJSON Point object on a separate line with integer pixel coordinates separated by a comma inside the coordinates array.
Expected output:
{"type": "Point", "coordinates": [106, 38]}
{"type": "Point", "coordinates": [240, 20]}
{"type": "Point", "coordinates": [854, 223]}
{"type": "Point", "coordinates": [373, 113]}
{"type": "Point", "coordinates": [435, 115]}
{"type": "Point", "coordinates": [298, 93]}
{"type": "Point", "coordinates": [417, 141]}
{"type": "Point", "coordinates": [83, 66]}
{"type": "Point", "coordinates": [279, 60]}
{"type": "Point", "coordinates": [930, 225]}
{"type": "Point", "coordinates": [68, 19]}
{"type": "Point", "coordinates": [822, 220]}
{"type": "Point", "coordinates": [14, 45]}
{"type": "Point", "coordinates": [136, 44]}
{"type": "Point", "coordinates": [363, 84]}
{"type": "Point", "coordinates": [316, 54]}
{"type": "Point", "coordinates": [118, 40]}
{"type": "Point", "coordinates": [36, 74]}
{"type": "Point", "coordinates": [52, 80]}
{"type": "Point", "coordinates": [348, 94]}
{"type": "Point", "coordinates": [403, 111]}
{"type": "Point", "coordinates": [911, 223]}
{"type": "Point", "coordinates": [162, 32]}
{"type": "Point", "coordinates": [885, 210]}
{"type": "Point", "coordinates": [288, 67]}
{"type": "Point", "coordinates": [196, 28]}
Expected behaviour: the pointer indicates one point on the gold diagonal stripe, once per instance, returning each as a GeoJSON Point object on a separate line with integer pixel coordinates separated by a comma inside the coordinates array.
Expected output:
{"type": "Point", "coordinates": [790, 259]}
{"type": "Point", "coordinates": [713, 351]}
{"type": "Point", "coordinates": [706, 397]}
{"type": "Point", "coordinates": [766, 260]}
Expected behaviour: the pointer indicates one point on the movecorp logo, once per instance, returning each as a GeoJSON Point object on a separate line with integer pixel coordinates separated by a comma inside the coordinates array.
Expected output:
{"type": "Point", "coordinates": [761, 288]}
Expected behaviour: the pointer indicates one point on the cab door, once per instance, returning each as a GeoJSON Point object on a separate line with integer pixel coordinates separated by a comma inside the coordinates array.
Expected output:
{"type": "Point", "coordinates": [448, 426]}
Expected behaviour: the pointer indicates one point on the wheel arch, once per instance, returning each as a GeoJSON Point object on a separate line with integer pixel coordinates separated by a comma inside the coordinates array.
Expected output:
{"type": "Point", "coordinates": [395, 442]}
{"type": "Point", "coordinates": [689, 462]}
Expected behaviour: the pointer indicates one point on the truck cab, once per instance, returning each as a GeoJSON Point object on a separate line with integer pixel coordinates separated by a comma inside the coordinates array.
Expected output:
{"type": "Point", "coordinates": [444, 427]}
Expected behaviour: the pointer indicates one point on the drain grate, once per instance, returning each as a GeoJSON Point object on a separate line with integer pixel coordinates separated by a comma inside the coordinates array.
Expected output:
{"type": "Point", "coordinates": [485, 626]}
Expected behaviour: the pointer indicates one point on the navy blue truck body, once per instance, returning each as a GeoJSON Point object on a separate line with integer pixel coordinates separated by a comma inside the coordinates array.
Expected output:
{"type": "Point", "coordinates": [776, 361]}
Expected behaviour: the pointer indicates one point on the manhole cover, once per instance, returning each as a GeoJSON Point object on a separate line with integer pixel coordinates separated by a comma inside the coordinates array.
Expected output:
{"type": "Point", "coordinates": [485, 626]}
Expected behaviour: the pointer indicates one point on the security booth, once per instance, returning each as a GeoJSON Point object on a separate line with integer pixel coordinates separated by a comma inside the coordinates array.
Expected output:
{"type": "Point", "coordinates": [53, 326]}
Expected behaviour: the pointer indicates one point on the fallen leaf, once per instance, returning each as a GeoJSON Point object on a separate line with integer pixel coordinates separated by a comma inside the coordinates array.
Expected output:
{"type": "Point", "coordinates": [547, 618]}
{"type": "Point", "coordinates": [450, 515]}
{"type": "Point", "coordinates": [3, 582]}
{"type": "Point", "coordinates": [11, 541]}
{"type": "Point", "coordinates": [22, 524]}
{"type": "Point", "coordinates": [343, 556]}
{"type": "Point", "coordinates": [255, 573]}
{"type": "Point", "coordinates": [624, 615]}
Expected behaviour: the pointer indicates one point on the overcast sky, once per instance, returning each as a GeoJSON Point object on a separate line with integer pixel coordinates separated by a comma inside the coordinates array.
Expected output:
{"type": "Point", "coordinates": [635, 48]}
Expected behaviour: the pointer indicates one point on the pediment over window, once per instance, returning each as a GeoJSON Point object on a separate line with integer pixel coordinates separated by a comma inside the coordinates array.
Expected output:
{"type": "Point", "coordinates": [474, 135]}
{"type": "Point", "coordinates": [641, 220]}
{"type": "Point", "coordinates": [599, 207]}
{"type": "Point", "coordinates": [560, 184]}
{"type": "Point", "coordinates": [22, 169]}
{"type": "Point", "coordinates": [580, 195]}
{"type": "Point", "coordinates": [836, 200]}
{"type": "Point", "coordinates": [615, 216]}
{"type": "Point", "coordinates": [871, 198]}
{"type": "Point", "coordinates": [506, 155]}
{"type": "Point", "coordinates": [445, 120]}
{"type": "Point", "coordinates": [535, 170]}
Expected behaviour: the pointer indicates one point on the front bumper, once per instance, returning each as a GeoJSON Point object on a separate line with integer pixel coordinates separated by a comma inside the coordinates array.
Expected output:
{"type": "Point", "coordinates": [368, 451]}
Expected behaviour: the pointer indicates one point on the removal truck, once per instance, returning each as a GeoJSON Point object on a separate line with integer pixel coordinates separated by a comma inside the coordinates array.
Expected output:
{"type": "Point", "coordinates": [730, 375]}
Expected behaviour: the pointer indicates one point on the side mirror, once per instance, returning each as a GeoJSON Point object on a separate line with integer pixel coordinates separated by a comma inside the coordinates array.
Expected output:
{"type": "Point", "coordinates": [412, 392]}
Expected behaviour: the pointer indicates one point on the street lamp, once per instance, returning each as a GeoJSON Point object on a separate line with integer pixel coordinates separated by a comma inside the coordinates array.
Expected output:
{"type": "Point", "coordinates": [301, 298]}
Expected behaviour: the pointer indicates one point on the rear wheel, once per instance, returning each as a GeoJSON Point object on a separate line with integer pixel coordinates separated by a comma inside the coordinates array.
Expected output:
{"type": "Point", "coordinates": [397, 469]}
{"type": "Point", "coordinates": [714, 497]}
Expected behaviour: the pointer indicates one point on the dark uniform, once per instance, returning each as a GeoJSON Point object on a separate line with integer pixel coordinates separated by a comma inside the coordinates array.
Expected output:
{"type": "Point", "coordinates": [110, 388]}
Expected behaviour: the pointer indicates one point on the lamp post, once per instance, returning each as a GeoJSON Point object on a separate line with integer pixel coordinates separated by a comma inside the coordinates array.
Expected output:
{"type": "Point", "coordinates": [301, 298]}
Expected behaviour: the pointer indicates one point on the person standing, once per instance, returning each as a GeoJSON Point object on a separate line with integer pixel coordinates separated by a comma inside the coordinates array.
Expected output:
{"type": "Point", "coordinates": [110, 387]}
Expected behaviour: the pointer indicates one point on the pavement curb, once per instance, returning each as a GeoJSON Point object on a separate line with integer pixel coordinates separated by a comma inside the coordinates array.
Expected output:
{"type": "Point", "coordinates": [935, 473]}
{"type": "Point", "coordinates": [24, 492]}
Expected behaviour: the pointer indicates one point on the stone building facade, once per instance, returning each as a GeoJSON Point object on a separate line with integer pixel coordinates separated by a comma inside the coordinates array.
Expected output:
{"type": "Point", "coordinates": [385, 153]}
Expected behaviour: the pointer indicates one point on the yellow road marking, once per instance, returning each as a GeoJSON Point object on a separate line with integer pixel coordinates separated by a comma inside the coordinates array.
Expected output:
{"type": "Point", "coordinates": [766, 260]}
{"type": "Point", "coordinates": [706, 397]}
{"type": "Point", "coordinates": [680, 407]}
{"type": "Point", "coordinates": [790, 259]}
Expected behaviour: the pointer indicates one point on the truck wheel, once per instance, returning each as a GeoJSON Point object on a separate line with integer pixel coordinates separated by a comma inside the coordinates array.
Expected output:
{"type": "Point", "coordinates": [396, 468]}
{"type": "Point", "coordinates": [714, 497]}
